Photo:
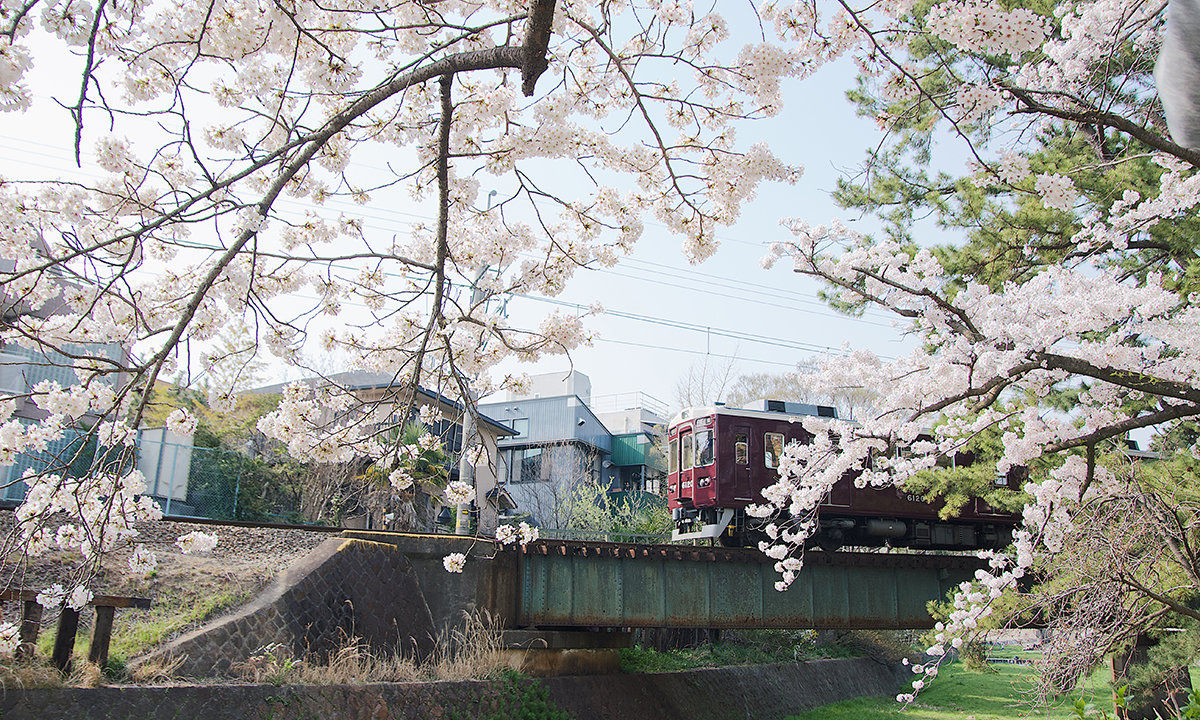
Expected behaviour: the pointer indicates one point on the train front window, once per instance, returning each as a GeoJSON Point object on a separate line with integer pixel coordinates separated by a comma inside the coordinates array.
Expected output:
{"type": "Point", "coordinates": [704, 448]}
{"type": "Point", "coordinates": [673, 456]}
{"type": "Point", "coordinates": [689, 452]}
{"type": "Point", "coordinates": [741, 449]}
{"type": "Point", "coordinates": [773, 445]}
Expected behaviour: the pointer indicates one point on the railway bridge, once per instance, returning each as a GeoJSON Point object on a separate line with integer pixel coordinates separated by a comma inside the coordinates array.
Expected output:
{"type": "Point", "coordinates": [391, 590]}
{"type": "Point", "coordinates": [608, 585]}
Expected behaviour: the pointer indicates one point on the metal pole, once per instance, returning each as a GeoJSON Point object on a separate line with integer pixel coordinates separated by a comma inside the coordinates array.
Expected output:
{"type": "Point", "coordinates": [466, 471]}
{"type": "Point", "coordinates": [237, 485]}
{"type": "Point", "coordinates": [174, 457]}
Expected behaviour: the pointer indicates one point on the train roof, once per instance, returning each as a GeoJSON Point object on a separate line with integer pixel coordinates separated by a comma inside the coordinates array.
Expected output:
{"type": "Point", "coordinates": [772, 410]}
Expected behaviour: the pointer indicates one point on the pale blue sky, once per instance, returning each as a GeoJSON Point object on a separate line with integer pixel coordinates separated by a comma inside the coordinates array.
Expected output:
{"type": "Point", "coordinates": [726, 307]}
{"type": "Point", "coordinates": [777, 310]}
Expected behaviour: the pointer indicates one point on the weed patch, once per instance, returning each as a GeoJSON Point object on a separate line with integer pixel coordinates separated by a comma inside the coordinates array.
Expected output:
{"type": "Point", "coordinates": [519, 698]}
{"type": "Point", "coordinates": [745, 647]}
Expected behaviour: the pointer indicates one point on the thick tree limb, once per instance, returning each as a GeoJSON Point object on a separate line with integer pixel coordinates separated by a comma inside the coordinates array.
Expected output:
{"type": "Point", "coordinates": [536, 43]}
{"type": "Point", "coordinates": [1124, 426]}
{"type": "Point", "coordinates": [1124, 378]}
{"type": "Point", "coordinates": [1094, 117]}
{"type": "Point", "coordinates": [1158, 597]}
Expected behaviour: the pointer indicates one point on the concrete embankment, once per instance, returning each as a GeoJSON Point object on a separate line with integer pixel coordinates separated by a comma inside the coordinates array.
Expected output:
{"type": "Point", "coordinates": [763, 692]}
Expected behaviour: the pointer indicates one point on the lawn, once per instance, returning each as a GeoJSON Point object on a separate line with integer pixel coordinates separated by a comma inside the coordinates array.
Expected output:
{"type": "Point", "coordinates": [958, 694]}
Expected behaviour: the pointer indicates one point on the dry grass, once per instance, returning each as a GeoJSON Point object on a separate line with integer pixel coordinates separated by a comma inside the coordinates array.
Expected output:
{"type": "Point", "coordinates": [351, 663]}
{"type": "Point", "coordinates": [157, 670]}
{"type": "Point", "coordinates": [37, 672]}
{"type": "Point", "coordinates": [470, 653]}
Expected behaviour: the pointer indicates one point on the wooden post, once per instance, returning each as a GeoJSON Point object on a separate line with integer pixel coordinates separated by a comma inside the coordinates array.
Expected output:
{"type": "Point", "coordinates": [31, 623]}
{"type": "Point", "coordinates": [101, 635]}
{"type": "Point", "coordinates": [64, 641]}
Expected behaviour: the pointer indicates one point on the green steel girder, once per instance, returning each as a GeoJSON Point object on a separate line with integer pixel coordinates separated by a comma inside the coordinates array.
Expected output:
{"type": "Point", "coordinates": [578, 585]}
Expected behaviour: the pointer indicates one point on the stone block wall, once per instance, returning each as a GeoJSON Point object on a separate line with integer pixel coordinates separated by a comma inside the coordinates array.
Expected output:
{"type": "Point", "coordinates": [767, 692]}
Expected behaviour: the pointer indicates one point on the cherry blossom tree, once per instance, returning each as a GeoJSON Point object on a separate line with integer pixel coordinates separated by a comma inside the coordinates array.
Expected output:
{"type": "Point", "coordinates": [214, 141]}
{"type": "Point", "coordinates": [1062, 316]}
{"type": "Point", "coordinates": [223, 133]}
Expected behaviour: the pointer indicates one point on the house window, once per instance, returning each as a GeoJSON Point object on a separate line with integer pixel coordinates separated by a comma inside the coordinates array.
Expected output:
{"type": "Point", "coordinates": [773, 444]}
{"type": "Point", "coordinates": [527, 465]}
{"type": "Point", "coordinates": [521, 425]}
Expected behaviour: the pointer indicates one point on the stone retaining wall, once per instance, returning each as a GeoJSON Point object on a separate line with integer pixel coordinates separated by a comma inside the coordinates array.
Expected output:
{"type": "Point", "coordinates": [765, 692]}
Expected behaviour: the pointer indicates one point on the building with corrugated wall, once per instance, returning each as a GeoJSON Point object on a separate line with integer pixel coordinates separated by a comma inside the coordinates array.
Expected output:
{"type": "Point", "coordinates": [562, 444]}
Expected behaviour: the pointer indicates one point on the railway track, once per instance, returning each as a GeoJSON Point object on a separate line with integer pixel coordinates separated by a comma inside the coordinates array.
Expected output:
{"type": "Point", "coordinates": [668, 551]}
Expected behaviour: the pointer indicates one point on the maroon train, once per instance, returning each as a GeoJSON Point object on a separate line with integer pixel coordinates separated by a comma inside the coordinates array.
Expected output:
{"type": "Point", "coordinates": [720, 459]}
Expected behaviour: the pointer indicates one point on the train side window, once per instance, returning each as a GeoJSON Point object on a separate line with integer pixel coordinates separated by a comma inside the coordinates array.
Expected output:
{"type": "Point", "coordinates": [741, 449]}
{"type": "Point", "coordinates": [773, 446]}
{"type": "Point", "coordinates": [673, 456]}
{"type": "Point", "coordinates": [704, 448]}
{"type": "Point", "coordinates": [689, 452]}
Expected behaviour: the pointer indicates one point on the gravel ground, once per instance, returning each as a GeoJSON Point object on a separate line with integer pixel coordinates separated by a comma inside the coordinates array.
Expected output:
{"type": "Point", "coordinates": [266, 547]}
{"type": "Point", "coordinates": [242, 564]}
{"type": "Point", "coordinates": [257, 554]}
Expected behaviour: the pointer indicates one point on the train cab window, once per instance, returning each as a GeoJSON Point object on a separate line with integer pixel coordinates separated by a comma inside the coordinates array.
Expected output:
{"type": "Point", "coordinates": [689, 452]}
{"type": "Point", "coordinates": [673, 456]}
{"type": "Point", "coordinates": [704, 448]}
{"type": "Point", "coordinates": [741, 449]}
{"type": "Point", "coordinates": [773, 446]}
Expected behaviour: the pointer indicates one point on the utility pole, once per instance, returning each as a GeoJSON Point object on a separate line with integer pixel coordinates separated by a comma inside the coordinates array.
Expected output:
{"type": "Point", "coordinates": [488, 515]}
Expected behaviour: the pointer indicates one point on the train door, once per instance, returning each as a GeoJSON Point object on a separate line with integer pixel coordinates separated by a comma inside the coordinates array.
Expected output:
{"type": "Point", "coordinates": [741, 486]}
{"type": "Point", "coordinates": [687, 461]}
{"type": "Point", "coordinates": [673, 468]}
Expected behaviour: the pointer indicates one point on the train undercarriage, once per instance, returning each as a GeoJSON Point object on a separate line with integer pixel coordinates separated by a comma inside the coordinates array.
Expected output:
{"type": "Point", "coordinates": [734, 528]}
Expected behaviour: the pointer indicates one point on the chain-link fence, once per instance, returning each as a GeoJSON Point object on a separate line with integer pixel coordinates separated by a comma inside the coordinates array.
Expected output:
{"type": "Point", "coordinates": [192, 481]}
{"type": "Point", "coordinates": [185, 480]}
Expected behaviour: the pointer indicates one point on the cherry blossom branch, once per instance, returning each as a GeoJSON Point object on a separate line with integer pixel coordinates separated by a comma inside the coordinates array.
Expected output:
{"type": "Point", "coordinates": [619, 64]}
{"type": "Point", "coordinates": [18, 16]}
{"type": "Point", "coordinates": [1123, 378]}
{"type": "Point", "coordinates": [1100, 117]}
{"type": "Point", "coordinates": [491, 58]}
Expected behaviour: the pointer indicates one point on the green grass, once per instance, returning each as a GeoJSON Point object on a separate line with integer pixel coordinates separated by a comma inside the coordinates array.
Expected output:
{"type": "Point", "coordinates": [744, 647]}
{"type": "Point", "coordinates": [957, 694]}
{"type": "Point", "coordinates": [1013, 651]}
{"type": "Point", "coordinates": [137, 631]}
{"type": "Point", "coordinates": [165, 618]}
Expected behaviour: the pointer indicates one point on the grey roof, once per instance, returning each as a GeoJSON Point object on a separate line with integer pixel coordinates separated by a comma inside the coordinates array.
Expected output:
{"type": "Point", "coordinates": [366, 380]}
